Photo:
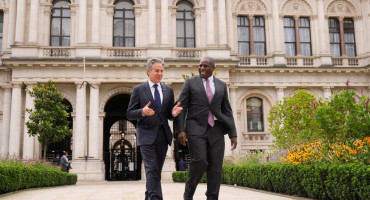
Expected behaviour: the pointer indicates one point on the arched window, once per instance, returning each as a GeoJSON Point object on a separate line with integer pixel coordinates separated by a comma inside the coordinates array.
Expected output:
{"type": "Point", "coordinates": [124, 24]}
{"type": "Point", "coordinates": [255, 115]}
{"type": "Point", "coordinates": [185, 25]}
{"type": "Point", "coordinates": [60, 29]}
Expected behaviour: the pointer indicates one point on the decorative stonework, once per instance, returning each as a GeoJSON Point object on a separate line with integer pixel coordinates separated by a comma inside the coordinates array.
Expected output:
{"type": "Point", "coordinates": [296, 7]}
{"type": "Point", "coordinates": [194, 2]}
{"type": "Point", "coordinates": [249, 7]}
{"type": "Point", "coordinates": [110, 94]}
{"type": "Point", "coordinates": [341, 8]}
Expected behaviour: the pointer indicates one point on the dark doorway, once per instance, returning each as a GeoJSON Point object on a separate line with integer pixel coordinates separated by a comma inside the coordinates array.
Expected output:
{"type": "Point", "coordinates": [65, 145]}
{"type": "Point", "coordinates": [122, 157]}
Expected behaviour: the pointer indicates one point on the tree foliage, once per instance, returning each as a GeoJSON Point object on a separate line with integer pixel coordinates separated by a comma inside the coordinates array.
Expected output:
{"type": "Point", "coordinates": [48, 119]}
{"type": "Point", "coordinates": [291, 120]}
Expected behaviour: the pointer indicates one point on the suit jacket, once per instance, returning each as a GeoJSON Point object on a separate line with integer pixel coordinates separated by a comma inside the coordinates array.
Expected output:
{"type": "Point", "coordinates": [147, 126]}
{"type": "Point", "coordinates": [196, 107]}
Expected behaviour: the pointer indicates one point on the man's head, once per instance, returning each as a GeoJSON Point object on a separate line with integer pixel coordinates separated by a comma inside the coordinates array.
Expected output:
{"type": "Point", "coordinates": [65, 153]}
{"type": "Point", "coordinates": [155, 70]}
{"type": "Point", "coordinates": [206, 67]}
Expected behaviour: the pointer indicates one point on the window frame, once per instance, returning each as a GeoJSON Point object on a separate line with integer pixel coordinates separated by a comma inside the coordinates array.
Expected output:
{"type": "Point", "coordinates": [60, 36]}
{"type": "Point", "coordinates": [295, 36]}
{"type": "Point", "coordinates": [335, 30]}
{"type": "Point", "coordinates": [309, 29]}
{"type": "Point", "coordinates": [261, 114]}
{"type": "Point", "coordinates": [264, 30]}
{"type": "Point", "coordinates": [124, 18]}
{"type": "Point", "coordinates": [255, 42]}
{"type": "Point", "coordinates": [184, 19]}
{"type": "Point", "coordinates": [352, 31]}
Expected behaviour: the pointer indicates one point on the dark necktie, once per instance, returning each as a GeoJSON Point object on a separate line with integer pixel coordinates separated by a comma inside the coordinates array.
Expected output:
{"type": "Point", "coordinates": [157, 97]}
{"type": "Point", "coordinates": [211, 120]}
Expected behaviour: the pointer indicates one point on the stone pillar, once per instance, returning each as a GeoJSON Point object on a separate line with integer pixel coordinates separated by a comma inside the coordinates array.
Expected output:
{"type": "Point", "coordinates": [197, 15]}
{"type": "Point", "coordinates": [6, 122]}
{"type": "Point", "coordinates": [15, 121]}
{"type": "Point", "coordinates": [280, 93]}
{"type": "Point", "coordinates": [11, 22]}
{"type": "Point", "coordinates": [5, 30]}
{"type": "Point", "coordinates": [138, 20]}
{"type": "Point", "coordinates": [323, 27]}
{"type": "Point", "coordinates": [72, 37]}
{"type": "Point", "coordinates": [233, 103]}
{"type": "Point", "coordinates": [342, 43]}
{"type": "Point", "coordinates": [28, 141]}
{"type": "Point", "coordinates": [94, 121]}
{"type": "Point", "coordinates": [298, 37]}
{"type": "Point", "coordinates": [276, 26]}
{"type": "Point", "coordinates": [152, 31]}
{"type": "Point", "coordinates": [47, 15]}
{"type": "Point", "coordinates": [33, 24]}
{"type": "Point", "coordinates": [79, 134]}
{"type": "Point", "coordinates": [164, 23]}
{"type": "Point", "coordinates": [251, 35]}
{"type": "Point", "coordinates": [210, 23]}
{"type": "Point", "coordinates": [230, 25]}
{"type": "Point", "coordinates": [95, 22]}
{"type": "Point", "coordinates": [21, 18]}
{"type": "Point", "coordinates": [82, 13]}
{"type": "Point", "coordinates": [222, 34]}
{"type": "Point", "coordinates": [327, 92]}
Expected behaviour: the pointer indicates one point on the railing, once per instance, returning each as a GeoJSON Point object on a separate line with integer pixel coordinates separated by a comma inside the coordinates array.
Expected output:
{"type": "Point", "coordinates": [188, 53]}
{"type": "Point", "coordinates": [337, 61]}
{"type": "Point", "coordinates": [124, 52]}
{"type": "Point", "coordinates": [253, 60]}
{"type": "Point", "coordinates": [308, 61]}
{"type": "Point", "coordinates": [353, 61]}
{"type": "Point", "coordinates": [291, 61]}
{"type": "Point", "coordinates": [299, 60]}
{"type": "Point", "coordinates": [57, 52]}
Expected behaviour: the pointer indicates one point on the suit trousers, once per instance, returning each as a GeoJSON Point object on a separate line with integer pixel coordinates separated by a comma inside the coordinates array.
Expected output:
{"type": "Point", "coordinates": [207, 153]}
{"type": "Point", "coordinates": [154, 156]}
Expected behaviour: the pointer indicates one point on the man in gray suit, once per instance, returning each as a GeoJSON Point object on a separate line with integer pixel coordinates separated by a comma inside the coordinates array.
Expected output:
{"type": "Point", "coordinates": [208, 117]}
{"type": "Point", "coordinates": [152, 104]}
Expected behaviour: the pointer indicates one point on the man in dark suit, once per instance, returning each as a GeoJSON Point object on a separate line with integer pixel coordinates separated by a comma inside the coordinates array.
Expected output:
{"type": "Point", "coordinates": [208, 117]}
{"type": "Point", "coordinates": [152, 104]}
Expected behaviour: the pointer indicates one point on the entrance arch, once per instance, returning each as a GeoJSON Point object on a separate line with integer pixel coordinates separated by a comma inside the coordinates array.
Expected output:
{"type": "Point", "coordinates": [122, 157]}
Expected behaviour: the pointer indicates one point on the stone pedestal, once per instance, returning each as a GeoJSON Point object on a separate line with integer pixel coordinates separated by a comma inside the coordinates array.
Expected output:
{"type": "Point", "coordinates": [88, 170]}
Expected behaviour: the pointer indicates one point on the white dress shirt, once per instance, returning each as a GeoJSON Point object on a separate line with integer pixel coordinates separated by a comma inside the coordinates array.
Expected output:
{"type": "Point", "coordinates": [152, 89]}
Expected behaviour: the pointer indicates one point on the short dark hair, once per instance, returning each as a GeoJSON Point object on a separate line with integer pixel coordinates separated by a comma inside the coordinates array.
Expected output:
{"type": "Point", "coordinates": [210, 60]}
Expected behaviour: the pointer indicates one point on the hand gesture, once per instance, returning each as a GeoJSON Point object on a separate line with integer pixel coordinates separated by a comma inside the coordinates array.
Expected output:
{"type": "Point", "coordinates": [148, 111]}
{"type": "Point", "coordinates": [176, 110]}
{"type": "Point", "coordinates": [234, 142]}
{"type": "Point", "coordinates": [181, 136]}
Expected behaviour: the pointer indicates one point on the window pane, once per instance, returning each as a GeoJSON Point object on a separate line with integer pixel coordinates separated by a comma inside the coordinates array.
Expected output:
{"type": "Point", "coordinates": [190, 43]}
{"type": "Point", "coordinates": [350, 50]}
{"type": "Point", "coordinates": [54, 41]}
{"type": "Point", "coordinates": [334, 38]}
{"type": "Point", "coordinates": [60, 4]}
{"type": "Point", "coordinates": [290, 49]}
{"type": "Point", "coordinates": [180, 32]}
{"type": "Point", "coordinates": [288, 22]}
{"type": "Point", "coordinates": [306, 49]}
{"type": "Point", "coordinates": [304, 34]}
{"type": "Point", "coordinates": [118, 27]}
{"type": "Point", "coordinates": [259, 34]}
{"type": "Point", "coordinates": [255, 114]}
{"type": "Point", "coordinates": [259, 49]}
{"type": "Point", "coordinates": [185, 6]}
{"type": "Point", "coordinates": [243, 33]}
{"type": "Point", "coordinates": [189, 15]}
{"type": "Point", "coordinates": [118, 14]}
{"type": "Point", "coordinates": [124, 4]}
{"type": "Point", "coordinates": [65, 41]}
{"type": "Point", "coordinates": [66, 26]}
{"type": "Point", "coordinates": [66, 13]}
{"type": "Point", "coordinates": [289, 34]}
{"type": "Point", "coordinates": [55, 26]}
{"type": "Point", "coordinates": [180, 43]}
{"type": "Point", "coordinates": [189, 29]}
{"type": "Point", "coordinates": [129, 14]}
{"type": "Point", "coordinates": [130, 42]}
{"type": "Point", "coordinates": [130, 28]}
{"type": "Point", "coordinates": [349, 38]}
{"type": "Point", "coordinates": [118, 41]}
{"type": "Point", "coordinates": [56, 12]}
{"type": "Point", "coordinates": [243, 49]}
{"type": "Point", "coordinates": [335, 49]}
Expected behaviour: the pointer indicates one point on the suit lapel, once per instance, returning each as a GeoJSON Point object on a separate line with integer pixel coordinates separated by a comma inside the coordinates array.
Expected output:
{"type": "Point", "coordinates": [164, 93]}
{"type": "Point", "coordinates": [217, 89]}
{"type": "Point", "coordinates": [203, 90]}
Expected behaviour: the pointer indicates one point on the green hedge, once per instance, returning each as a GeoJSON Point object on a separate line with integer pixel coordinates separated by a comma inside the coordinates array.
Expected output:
{"type": "Point", "coordinates": [314, 181]}
{"type": "Point", "coordinates": [13, 178]}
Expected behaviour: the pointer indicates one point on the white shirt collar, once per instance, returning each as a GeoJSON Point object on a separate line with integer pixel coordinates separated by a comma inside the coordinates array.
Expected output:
{"type": "Point", "coordinates": [151, 84]}
{"type": "Point", "coordinates": [209, 78]}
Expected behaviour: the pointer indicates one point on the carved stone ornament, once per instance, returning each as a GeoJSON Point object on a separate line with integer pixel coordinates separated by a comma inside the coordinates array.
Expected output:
{"type": "Point", "coordinates": [250, 7]}
{"type": "Point", "coordinates": [341, 8]}
{"type": "Point", "coordinates": [297, 7]}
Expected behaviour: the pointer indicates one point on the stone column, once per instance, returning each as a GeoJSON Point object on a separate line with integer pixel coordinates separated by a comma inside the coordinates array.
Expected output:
{"type": "Point", "coordinates": [251, 35]}
{"type": "Point", "coordinates": [4, 46]}
{"type": "Point", "coordinates": [164, 23]}
{"type": "Point", "coordinates": [11, 22]}
{"type": "Point", "coordinates": [95, 22]}
{"type": "Point", "coordinates": [342, 43]}
{"type": "Point", "coordinates": [233, 103]}
{"type": "Point", "coordinates": [79, 134]}
{"type": "Point", "coordinates": [33, 25]}
{"type": "Point", "coordinates": [276, 26]}
{"type": "Point", "coordinates": [94, 121]}
{"type": "Point", "coordinates": [152, 25]}
{"type": "Point", "coordinates": [6, 122]}
{"type": "Point", "coordinates": [327, 91]}
{"type": "Point", "coordinates": [323, 27]}
{"type": "Point", "coordinates": [28, 141]}
{"type": "Point", "coordinates": [137, 13]}
{"type": "Point", "coordinates": [210, 23]}
{"type": "Point", "coordinates": [15, 121]}
{"type": "Point", "coordinates": [197, 15]}
{"type": "Point", "coordinates": [47, 15]}
{"type": "Point", "coordinates": [21, 18]}
{"type": "Point", "coordinates": [82, 12]}
{"type": "Point", "coordinates": [280, 93]}
{"type": "Point", "coordinates": [222, 33]}
{"type": "Point", "coordinates": [72, 38]}
{"type": "Point", "coordinates": [230, 25]}
{"type": "Point", "coordinates": [298, 37]}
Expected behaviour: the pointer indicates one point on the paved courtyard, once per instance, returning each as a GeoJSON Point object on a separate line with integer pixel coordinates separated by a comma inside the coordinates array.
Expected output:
{"type": "Point", "coordinates": [134, 190]}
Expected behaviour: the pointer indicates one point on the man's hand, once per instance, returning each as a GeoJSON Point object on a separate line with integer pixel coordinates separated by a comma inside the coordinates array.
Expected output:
{"type": "Point", "coordinates": [181, 136]}
{"type": "Point", "coordinates": [234, 142]}
{"type": "Point", "coordinates": [148, 111]}
{"type": "Point", "coordinates": [176, 110]}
